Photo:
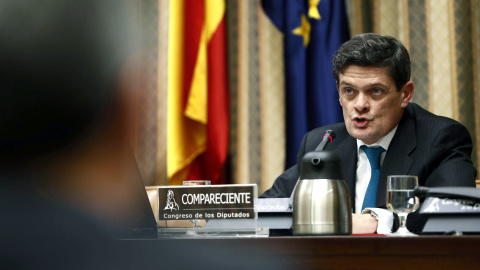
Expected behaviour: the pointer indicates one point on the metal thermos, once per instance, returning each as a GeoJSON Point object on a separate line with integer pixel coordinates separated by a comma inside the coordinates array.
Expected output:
{"type": "Point", "coordinates": [321, 202]}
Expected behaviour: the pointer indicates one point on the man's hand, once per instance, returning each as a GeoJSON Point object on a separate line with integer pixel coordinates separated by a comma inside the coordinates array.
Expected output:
{"type": "Point", "coordinates": [363, 223]}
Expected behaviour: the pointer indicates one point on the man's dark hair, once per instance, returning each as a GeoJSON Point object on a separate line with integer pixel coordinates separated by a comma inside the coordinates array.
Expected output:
{"type": "Point", "coordinates": [59, 66]}
{"type": "Point", "coordinates": [374, 50]}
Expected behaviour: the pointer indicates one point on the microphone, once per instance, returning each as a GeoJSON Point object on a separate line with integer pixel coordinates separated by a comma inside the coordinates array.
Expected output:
{"type": "Point", "coordinates": [421, 192]}
{"type": "Point", "coordinates": [327, 138]}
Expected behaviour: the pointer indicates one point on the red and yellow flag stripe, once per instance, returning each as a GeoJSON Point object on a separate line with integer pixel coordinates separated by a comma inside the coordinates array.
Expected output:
{"type": "Point", "coordinates": [198, 100]}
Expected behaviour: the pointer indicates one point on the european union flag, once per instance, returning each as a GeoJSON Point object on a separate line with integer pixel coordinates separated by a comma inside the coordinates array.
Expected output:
{"type": "Point", "coordinates": [313, 30]}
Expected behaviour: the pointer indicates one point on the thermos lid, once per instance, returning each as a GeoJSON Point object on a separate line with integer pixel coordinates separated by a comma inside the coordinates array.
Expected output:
{"type": "Point", "coordinates": [321, 165]}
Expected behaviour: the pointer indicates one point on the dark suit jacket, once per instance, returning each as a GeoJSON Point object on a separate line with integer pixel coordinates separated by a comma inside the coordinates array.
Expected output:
{"type": "Point", "coordinates": [436, 149]}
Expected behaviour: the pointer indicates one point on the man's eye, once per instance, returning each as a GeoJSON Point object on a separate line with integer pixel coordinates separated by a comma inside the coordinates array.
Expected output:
{"type": "Point", "coordinates": [377, 91]}
{"type": "Point", "coordinates": [348, 91]}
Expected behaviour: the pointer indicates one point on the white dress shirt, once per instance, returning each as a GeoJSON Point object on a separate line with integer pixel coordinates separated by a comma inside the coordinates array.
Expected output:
{"type": "Point", "coordinates": [364, 171]}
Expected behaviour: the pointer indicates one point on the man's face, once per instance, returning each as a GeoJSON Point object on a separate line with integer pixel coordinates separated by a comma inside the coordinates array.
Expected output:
{"type": "Point", "coordinates": [371, 104]}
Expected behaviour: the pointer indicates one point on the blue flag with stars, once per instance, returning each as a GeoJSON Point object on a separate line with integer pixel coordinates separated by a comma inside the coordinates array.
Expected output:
{"type": "Point", "coordinates": [313, 30]}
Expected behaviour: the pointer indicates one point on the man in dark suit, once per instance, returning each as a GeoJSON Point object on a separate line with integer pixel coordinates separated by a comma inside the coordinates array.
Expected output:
{"type": "Point", "coordinates": [375, 90]}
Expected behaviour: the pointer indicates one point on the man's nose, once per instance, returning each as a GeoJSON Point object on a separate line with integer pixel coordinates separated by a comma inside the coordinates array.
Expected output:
{"type": "Point", "coordinates": [362, 103]}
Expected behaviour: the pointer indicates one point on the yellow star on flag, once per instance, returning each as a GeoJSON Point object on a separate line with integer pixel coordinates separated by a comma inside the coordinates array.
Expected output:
{"type": "Point", "coordinates": [313, 9]}
{"type": "Point", "coordinates": [303, 30]}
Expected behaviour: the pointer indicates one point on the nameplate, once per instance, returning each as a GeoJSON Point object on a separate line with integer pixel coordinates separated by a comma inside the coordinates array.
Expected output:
{"type": "Point", "coordinates": [434, 205]}
{"type": "Point", "coordinates": [274, 205]}
{"type": "Point", "coordinates": [207, 202]}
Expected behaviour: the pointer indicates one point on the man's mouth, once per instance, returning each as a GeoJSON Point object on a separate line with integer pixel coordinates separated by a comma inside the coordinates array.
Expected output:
{"type": "Point", "coordinates": [360, 122]}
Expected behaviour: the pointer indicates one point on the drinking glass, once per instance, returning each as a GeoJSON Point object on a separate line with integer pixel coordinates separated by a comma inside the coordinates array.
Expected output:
{"type": "Point", "coordinates": [197, 182]}
{"type": "Point", "coordinates": [196, 222]}
{"type": "Point", "coordinates": [401, 199]}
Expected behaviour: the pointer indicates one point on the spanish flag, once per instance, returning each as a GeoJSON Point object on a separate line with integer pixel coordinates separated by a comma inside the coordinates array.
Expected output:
{"type": "Point", "coordinates": [198, 99]}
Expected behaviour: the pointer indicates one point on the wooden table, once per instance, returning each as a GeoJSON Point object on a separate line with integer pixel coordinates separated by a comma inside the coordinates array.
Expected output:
{"type": "Point", "coordinates": [345, 252]}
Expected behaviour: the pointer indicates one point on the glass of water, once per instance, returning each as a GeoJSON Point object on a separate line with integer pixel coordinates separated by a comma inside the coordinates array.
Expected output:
{"type": "Point", "coordinates": [401, 199]}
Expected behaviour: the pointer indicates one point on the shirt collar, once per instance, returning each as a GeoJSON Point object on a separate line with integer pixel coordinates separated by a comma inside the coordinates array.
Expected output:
{"type": "Point", "coordinates": [383, 142]}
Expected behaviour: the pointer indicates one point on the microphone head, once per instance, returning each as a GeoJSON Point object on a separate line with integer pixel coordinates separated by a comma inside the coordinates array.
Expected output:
{"type": "Point", "coordinates": [331, 134]}
{"type": "Point", "coordinates": [327, 138]}
{"type": "Point", "coordinates": [421, 192]}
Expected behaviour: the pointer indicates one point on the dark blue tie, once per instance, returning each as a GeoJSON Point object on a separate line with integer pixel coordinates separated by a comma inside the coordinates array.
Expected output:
{"type": "Point", "coordinates": [373, 155]}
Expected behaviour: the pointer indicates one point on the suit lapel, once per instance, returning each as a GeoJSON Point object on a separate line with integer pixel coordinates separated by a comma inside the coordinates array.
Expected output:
{"type": "Point", "coordinates": [347, 150]}
{"type": "Point", "coordinates": [397, 160]}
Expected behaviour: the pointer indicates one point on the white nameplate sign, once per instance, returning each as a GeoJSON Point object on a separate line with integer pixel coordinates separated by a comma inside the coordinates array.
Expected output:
{"type": "Point", "coordinates": [207, 202]}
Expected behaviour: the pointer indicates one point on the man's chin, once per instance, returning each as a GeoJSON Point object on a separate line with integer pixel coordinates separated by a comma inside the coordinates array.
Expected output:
{"type": "Point", "coordinates": [361, 135]}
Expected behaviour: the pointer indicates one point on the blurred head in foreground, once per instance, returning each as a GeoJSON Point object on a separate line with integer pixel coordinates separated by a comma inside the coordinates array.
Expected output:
{"type": "Point", "coordinates": [65, 101]}
{"type": "Point", "coordinates": [60, 63]}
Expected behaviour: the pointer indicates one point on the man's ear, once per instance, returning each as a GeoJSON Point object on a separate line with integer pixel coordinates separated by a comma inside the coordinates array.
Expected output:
{"type": "Point", "coordinates": [407, 93]}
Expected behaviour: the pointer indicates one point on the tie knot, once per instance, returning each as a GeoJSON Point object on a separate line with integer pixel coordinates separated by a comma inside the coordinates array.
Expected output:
{"type": "Point", "coordinates": [373, 155]}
